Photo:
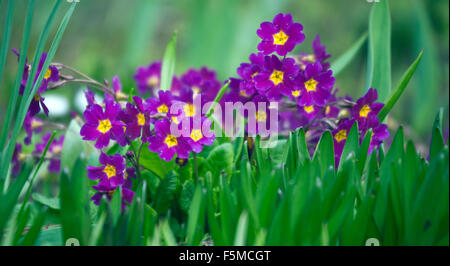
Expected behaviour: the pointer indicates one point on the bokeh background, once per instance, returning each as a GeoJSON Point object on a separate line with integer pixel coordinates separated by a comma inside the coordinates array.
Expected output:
{"type": "Point", "coordinates": [109, 37]}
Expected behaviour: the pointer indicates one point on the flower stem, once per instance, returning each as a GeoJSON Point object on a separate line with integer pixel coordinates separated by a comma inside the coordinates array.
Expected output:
{"type": "Point", "coordinates": [195, 166]}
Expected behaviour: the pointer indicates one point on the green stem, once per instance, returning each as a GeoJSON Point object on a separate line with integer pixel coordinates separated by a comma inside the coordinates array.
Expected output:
{"type": "Point", "coordinates": [195, 166]}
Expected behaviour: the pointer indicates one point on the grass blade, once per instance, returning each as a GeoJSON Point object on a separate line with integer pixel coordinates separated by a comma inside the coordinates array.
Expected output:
{"type": "Point", "coordinates": [400, 88]}
{"type": "Point", "coordinates": [26, 101]}
{"type": "Point", "coordinates": [168, 63]}
{"type": "Point", "coordinates": [379, 67]}
{"type": "Point", "coordinates": [6, 37]}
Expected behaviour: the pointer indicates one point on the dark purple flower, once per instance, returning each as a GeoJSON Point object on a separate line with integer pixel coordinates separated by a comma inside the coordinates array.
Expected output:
{"type": "Point", "coordinates": [366, 108]}
{"type": "Point", "coordinates": [308, 113]}
{"type": "Point", "coordinates": [108, 192]}
{"type": "Point", "coordinates": [103, 125]}
{"type": "Point", "coordinates": [110, 174]}
{"type": "Point", "coordinates": [137, 119]}
{"type": "Point", "coordinates": [166, 144]}
{"type": "Point", "coordinates": [319, 55]}
{"type": "Point", "coordinates": [379, 132]}
{"type": "Point", "coordinates": [16, 164]}
{"type": "Point", "coordinates": [315, 85]}
{"type": "Point", "coordinates": [117, 88]}
{"type": "Point", "coordinates": [202, 82]}
{"type": "Point", "coordinates": [160, 105]}
{"type": "Point", "coordinates": [148, 77]}
{"type": "Point", "coordinates": [53, 152]}
{"type": "Point", "coordinates": [247, 71]}
{"type": "Point", "coordinates": [281, 36]}
{"type": "Point", "coordinates": [276, 77]}
{"type": "Point", "coordinates": [340, 135]}
{"type": "Point", "coordinates": [90, 96]}
{"type": "Point", "coordinates": [200, 134]}
{"type": "Point", "coordinates": [31, 124]}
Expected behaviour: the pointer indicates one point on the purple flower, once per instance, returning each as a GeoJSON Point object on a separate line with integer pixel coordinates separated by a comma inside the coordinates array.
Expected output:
{"type": "Point", "coordinates": [340, 135]}
{"type": "Point", "coordinates": [247, 71]}
{"type": "Point", "coordinates": [309, 112]}
{"type": "Point", "coordinates": [160, 105]}
{"type": "Point", "coordinates": [103, 125]}
{"type": "Point", "coordinates": [110, 174]}
{"type": "Point", "coordinates": [202, 82]}
{"type": "Point", "coordinates": [166, 144]}
{"type": "Point", "coordinates": [379, 133]}
{"type": "Point", "coordinates": [16, 165]}
{"type": "Point", "coordinates": [281, 36]}
{"type": "Point", "coordinates": [148, 77]}
{"type": "Point", "coordinates": [53, 152]}
{"type": "Point", "coordinates": [117, 88]}
{"type": "Point", "coordinates": [276, 77]}
{"type": "Point", "coordinates": [108, 192]}
{"type": "Point", "coordinates": [319, 55]}
{"type": "Point", "coordinates": [137, 119]}
{"type": "Point", "coordinates": [366, 108]}
{"type": "Point", "coordinates": [315, 85]}
{"type": "Point", "coordinates": [90, 96]}
{"type": "Point", "coordinates": [200, 134]}
{"type": "Point", "coordinates": [31, 124]}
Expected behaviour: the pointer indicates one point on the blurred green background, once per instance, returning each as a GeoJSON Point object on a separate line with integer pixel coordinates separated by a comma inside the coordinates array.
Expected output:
{"type": "Point", "coordinates": [109, 37]}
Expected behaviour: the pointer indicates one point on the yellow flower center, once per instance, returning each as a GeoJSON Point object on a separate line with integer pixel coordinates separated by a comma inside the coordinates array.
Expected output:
{"type": "Point", "coordinates": [104, 126]}
{"type": "Point", "coordinates": [341, 135]}
{"type": "Point", "coordinates": [109, 170]}
{"type": "Point", "coordinates": [153, 81]}
{"type": "Point", "coordinates": [327, 109]}
{"type": "Point", "coordinates": [311, 85]}
{"type": "Point", "coordinates": [276, 77]}
{"type": "Point", "coordinates": [170, 141]}
{"type": "Point", "coordinates": [57, 149]}
{"type": "Point", "coordinates": [254, 74]}
{"type": "Point", "coordinates": [310, 58]}
{"type": "Point", "coordinates": [162, 108]}
{"type": "Point", "coordinates": [261, 116]}
{"type": "Point", "coordinates": [280, 38]}
{"type": "Point", "coordinates": [141, 119]}
{"type": "Point", "coordinates": [36, 97]}
{"type": "Point", "coordinates": [309, 109]}
{"type": "Point", "coordinates": [196, 134]}
{"type": "Point", "coordinates": [365, 110]}
{"type": "Point", "coordinates": [295, 93]}
{"type": "Point", "coordinates": [189, 110]}
{"type": "Point", "coordinates": [47, 74]}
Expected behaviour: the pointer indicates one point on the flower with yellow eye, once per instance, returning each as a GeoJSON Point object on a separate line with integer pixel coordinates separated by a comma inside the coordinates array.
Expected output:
{"type": "Point", "coordinates": [103, 125]}
{"type": "Point", "coordinates": [281, 35]}
{"type": "Point", "coordinates": [200, 134]}
{"type": "Point", "coordinates": [136, 117]}
{"type": "Point", "coordinates": [111, 172]}
{"type": "Point", "coordinates": [366, 107]}
{"type": "Point", "coordinates": [276, 77]}
{"type": "Point", "coordinates": [166, 143]}
{"type": "Point", "coordinates": [316, 85]}
{"type": "Point", "coordinates": [340, 135]}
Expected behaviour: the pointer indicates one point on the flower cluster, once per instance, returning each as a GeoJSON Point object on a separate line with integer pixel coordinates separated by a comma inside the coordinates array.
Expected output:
{"type": "Point", "coordinates": [33, 124]}
{"type": "Point", "coordinates": [168, 123]}
{"type": "Point", "coordinates": [302, 86]}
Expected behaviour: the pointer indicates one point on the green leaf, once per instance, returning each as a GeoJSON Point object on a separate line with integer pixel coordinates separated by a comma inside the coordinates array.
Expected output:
{"type": "Point", "coordinates": [400, 88]}
{"type": "Point", "coordinates": [167, 234]}
{"type": "Point", "coordinates": [32, 234]}
{"type": "Point", "coordinates": [351, 145]}
{"type": "Point", "coordinates": [6, 37]}
{"type": "Point", "coordinates": [345, 59]}
{"type": "Point", "coordinates": [219, 159]}
{"type": "Point", "coordinates": [437, 141]}
{"type": "Point", "coordinates": [241, 231]}
{"type": "Point", "coordinates": [22, 60]}
{"type": "Point", "coordinates": [166, 192]}
{"type": "Point", "coordinates": [324, 153]}
{"type": "Point", "coordinates": [217, 99]}
{"type": "Point", "coordinates": [196, 218]}
{"type": "Point", "coordinates": [379, 58]}
{"type": "Point", "coordinates": [187, 192]}
{"type": "Point", "coordinates": [151, 161]}
{"type": "Point", "coordinates": [50, 237]}
{"type": "Point", "coordinates": [168, 63]}
{"type": "Point", "coordinates": [52, 203]}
